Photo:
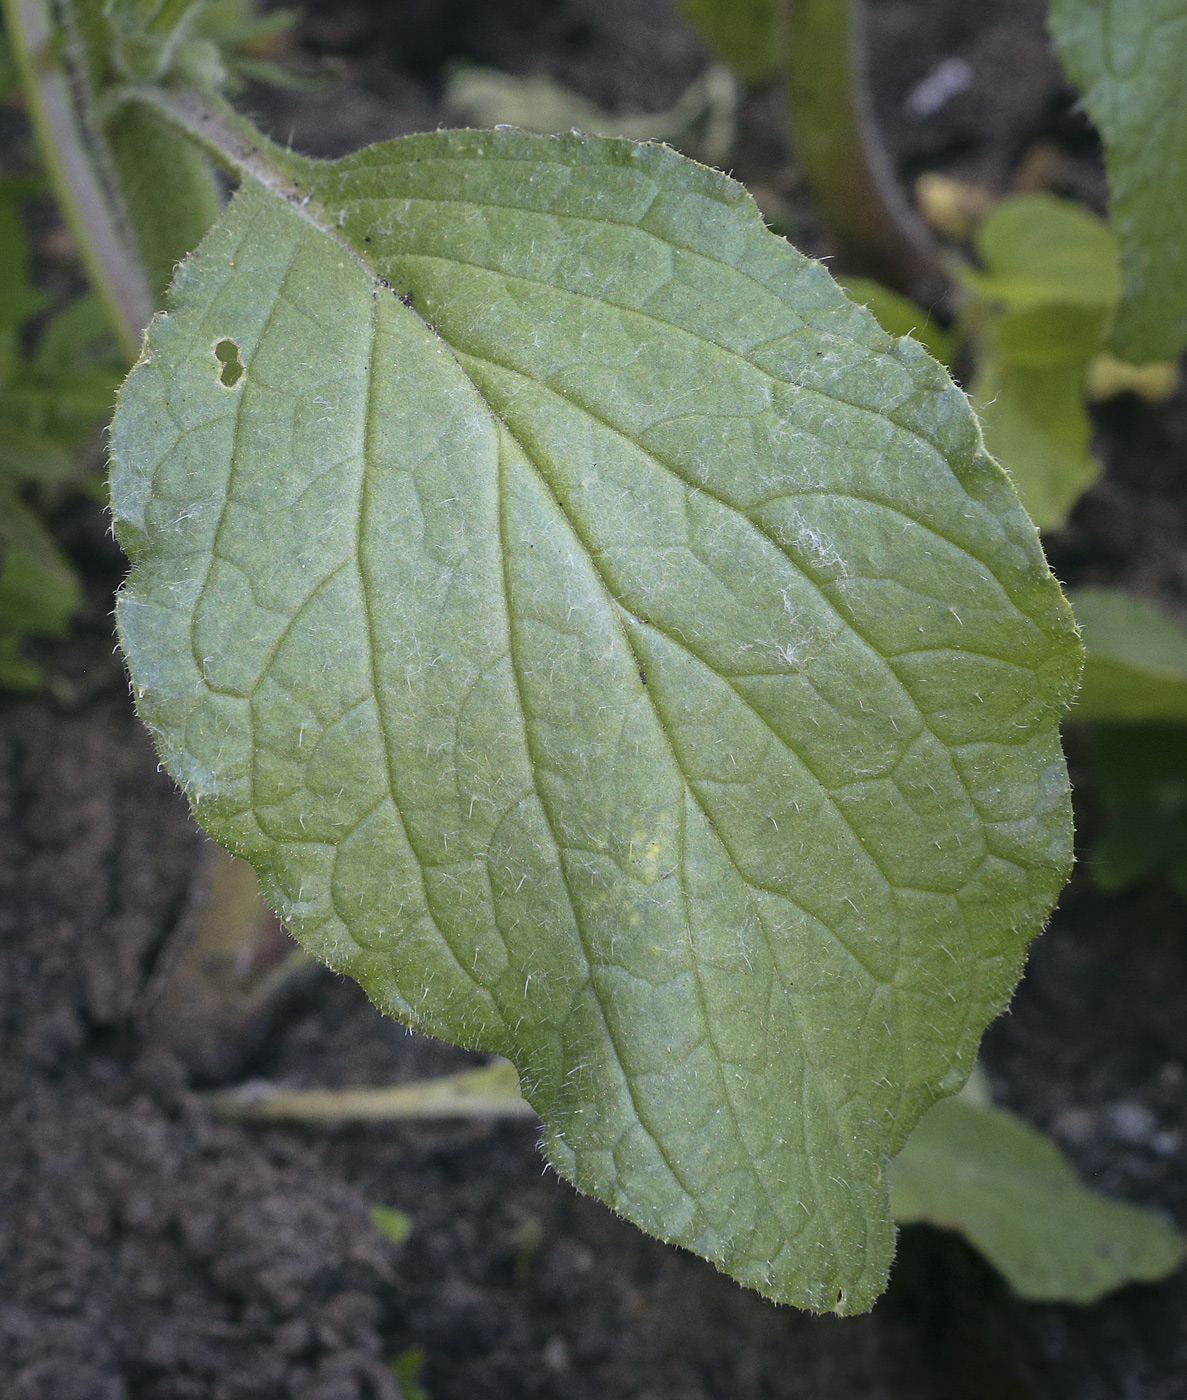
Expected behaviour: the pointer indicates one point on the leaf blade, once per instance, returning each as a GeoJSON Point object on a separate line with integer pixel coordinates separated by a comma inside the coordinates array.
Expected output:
{"type": "Point", "coordinates": [1128, 61]}
{"type": "Point", "coordinates": [745, 35]}
{"type": "Point", "coordinates": [1135, 664]}
{"type": "Point", "coordinates": [1046, 294]}
{"type": "Point", "coordinates": [985, 1173]}
{"type": "Point", "coordinates": [560, 514]}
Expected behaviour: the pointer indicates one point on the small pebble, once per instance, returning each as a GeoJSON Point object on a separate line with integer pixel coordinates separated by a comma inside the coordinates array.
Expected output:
{"type": "Point", "coordinates": [1132, 1122]}
{"type": "Point", "coordinates": [1075, 1125]}
{"type": "Point", "coordinates": [555, 1355]}
{"type": "Point", "coordinates": [945, 81]}
{"type": "Point", "coordinates": [1166, 1143]}
{"type": "Point", "coordinates": [1172, 1075]}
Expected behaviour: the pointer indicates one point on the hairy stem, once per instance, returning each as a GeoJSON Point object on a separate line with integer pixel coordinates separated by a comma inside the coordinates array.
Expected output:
{"type": "Point", "coordinates": [842, 156]}
{"type": "Point", "coordinates": [114, 271]}
{"type": "Point", "coordinates": [230, 139]}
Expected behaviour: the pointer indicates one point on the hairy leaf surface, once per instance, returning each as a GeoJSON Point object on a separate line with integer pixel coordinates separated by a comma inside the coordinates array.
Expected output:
{"type": "Point", "coordinates": [899, 315]}
{"type": "Point", "coordinates": [616, 652]}
{"type": "Point", "coordinates": [984, 1172]}
{"type": "Point", "coordinates": [1128, 58]}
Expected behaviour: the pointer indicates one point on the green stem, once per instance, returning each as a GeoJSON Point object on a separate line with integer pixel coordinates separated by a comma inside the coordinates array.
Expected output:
{"type": "Point", "coordinates": [232, 141]}
{"type": "Point", "coordinates": [114, 272]}
{"type": "Point", "coordinates": [843, 159]}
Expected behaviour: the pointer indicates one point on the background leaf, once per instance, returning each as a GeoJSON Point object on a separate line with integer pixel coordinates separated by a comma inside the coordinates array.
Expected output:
{"type": "Point", "coordinates": [1041, 302]}
{"type": "Point", "coordinates": [617, 653]}
{"type": "Point", "coordinates": [701, 120]}
{"type": "Point", "coordinates": [168, 186]}
{"type": "Point", "coordinates": [39, 590]}
{"type": "Point", "coordinates": [899, 315]}
{"type": "Point", "coordinates": [51, 400]}
{"type": "Point", "coordinates": [1036, 425]}
{"type": "Point", "coordinates": [744, 33]}
{"type": "Point", "coordinates": [1008, 1189]}
{"type": "Point", "coordinates": [1140, 771]}
{"type": "Point", "coordinates": [1135, 659]}
{"type": "Point", "coordinates": [1128, 58]}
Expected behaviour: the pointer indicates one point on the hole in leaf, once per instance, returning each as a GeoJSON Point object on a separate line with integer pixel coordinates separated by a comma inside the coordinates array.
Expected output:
{"type": "Point", "coordinates": [226, 352]}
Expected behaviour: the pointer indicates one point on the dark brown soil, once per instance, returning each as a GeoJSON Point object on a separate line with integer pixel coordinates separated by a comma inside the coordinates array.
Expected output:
{"type": "Point", "coordinates": [149, 1253]}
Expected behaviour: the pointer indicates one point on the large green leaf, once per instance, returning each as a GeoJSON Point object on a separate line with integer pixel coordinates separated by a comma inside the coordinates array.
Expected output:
{"type": "Point", "coordinates": [616, 652]}
{"type": "Point", "coordinates": [982, 1171]}
{"type": "Point", "coordinates": [1128, 58]}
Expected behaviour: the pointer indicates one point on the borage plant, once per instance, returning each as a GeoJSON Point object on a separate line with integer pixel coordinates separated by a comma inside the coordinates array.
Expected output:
{"type": "Point", "coordinates": [606, 642]}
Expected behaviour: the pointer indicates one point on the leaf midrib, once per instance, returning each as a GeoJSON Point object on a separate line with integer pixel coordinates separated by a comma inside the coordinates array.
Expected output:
{"type": "Point", "coordinates": [616, 610]}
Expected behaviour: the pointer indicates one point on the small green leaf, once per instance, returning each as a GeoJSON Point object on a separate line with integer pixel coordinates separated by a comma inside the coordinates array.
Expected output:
{"type": "Point", "coordinates": [487, 97]}
{"type": "Point", "coordinates": [1135, 663]}
{"type": "Point", "coordinates": [1135, 680]}
{"type": "Point", "coordinates": [395, 1225]}
{"type": "Point", "coordinates": [1037, 427]}
{"type": "Point", "coordinates": [49, 402]}
{"type": "Point", "coordinates": [1039, 250]}
{"type": "Point", "coordinates": [39, 591]}
{"type": "Point", "coordinates": [745, 33]}
{"type": "Point", "coordinates": [1039, 311]}
{"type": "Point", "coordinates": [407, 1369]}
{"type": "Point", "coordinates": [1128, 58]}
{"type": "Point", "coordinates": [617, 653]}
{"type": "Point", "coordinates": [1009, 1191]}
{"type": "Point", "coordinates": [899, 315]}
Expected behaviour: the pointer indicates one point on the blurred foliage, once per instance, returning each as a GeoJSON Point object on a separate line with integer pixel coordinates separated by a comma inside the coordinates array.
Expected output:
{"type": "Point", "coordinates": [1141, 784]}
{"type": "Point", "coordinates": [984, 1172]}
{"type": "Point", "coordinates": [1037, 314]}
{"type": "Point", "coordinates": [700, 120]}
{"type": "Point", "coordinates": [899, 315]}
{"type": "Point", "coordinates": [407, 1369]}
{"type": "Point", "coordinates": [394, 1224]}
{"type": "Point", "coordinates": [1135, 659]}
{"type": "Point", "coordinates": [57, 387]}
{"type": "Point", "coordinates": [1135, 688]}
{"type": "Point", "coordinates": [1039, 307]}
{"type": "Point", "coordinates": [1128, 58]}
{"type": "Point", "coordinates": [743, 33]}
